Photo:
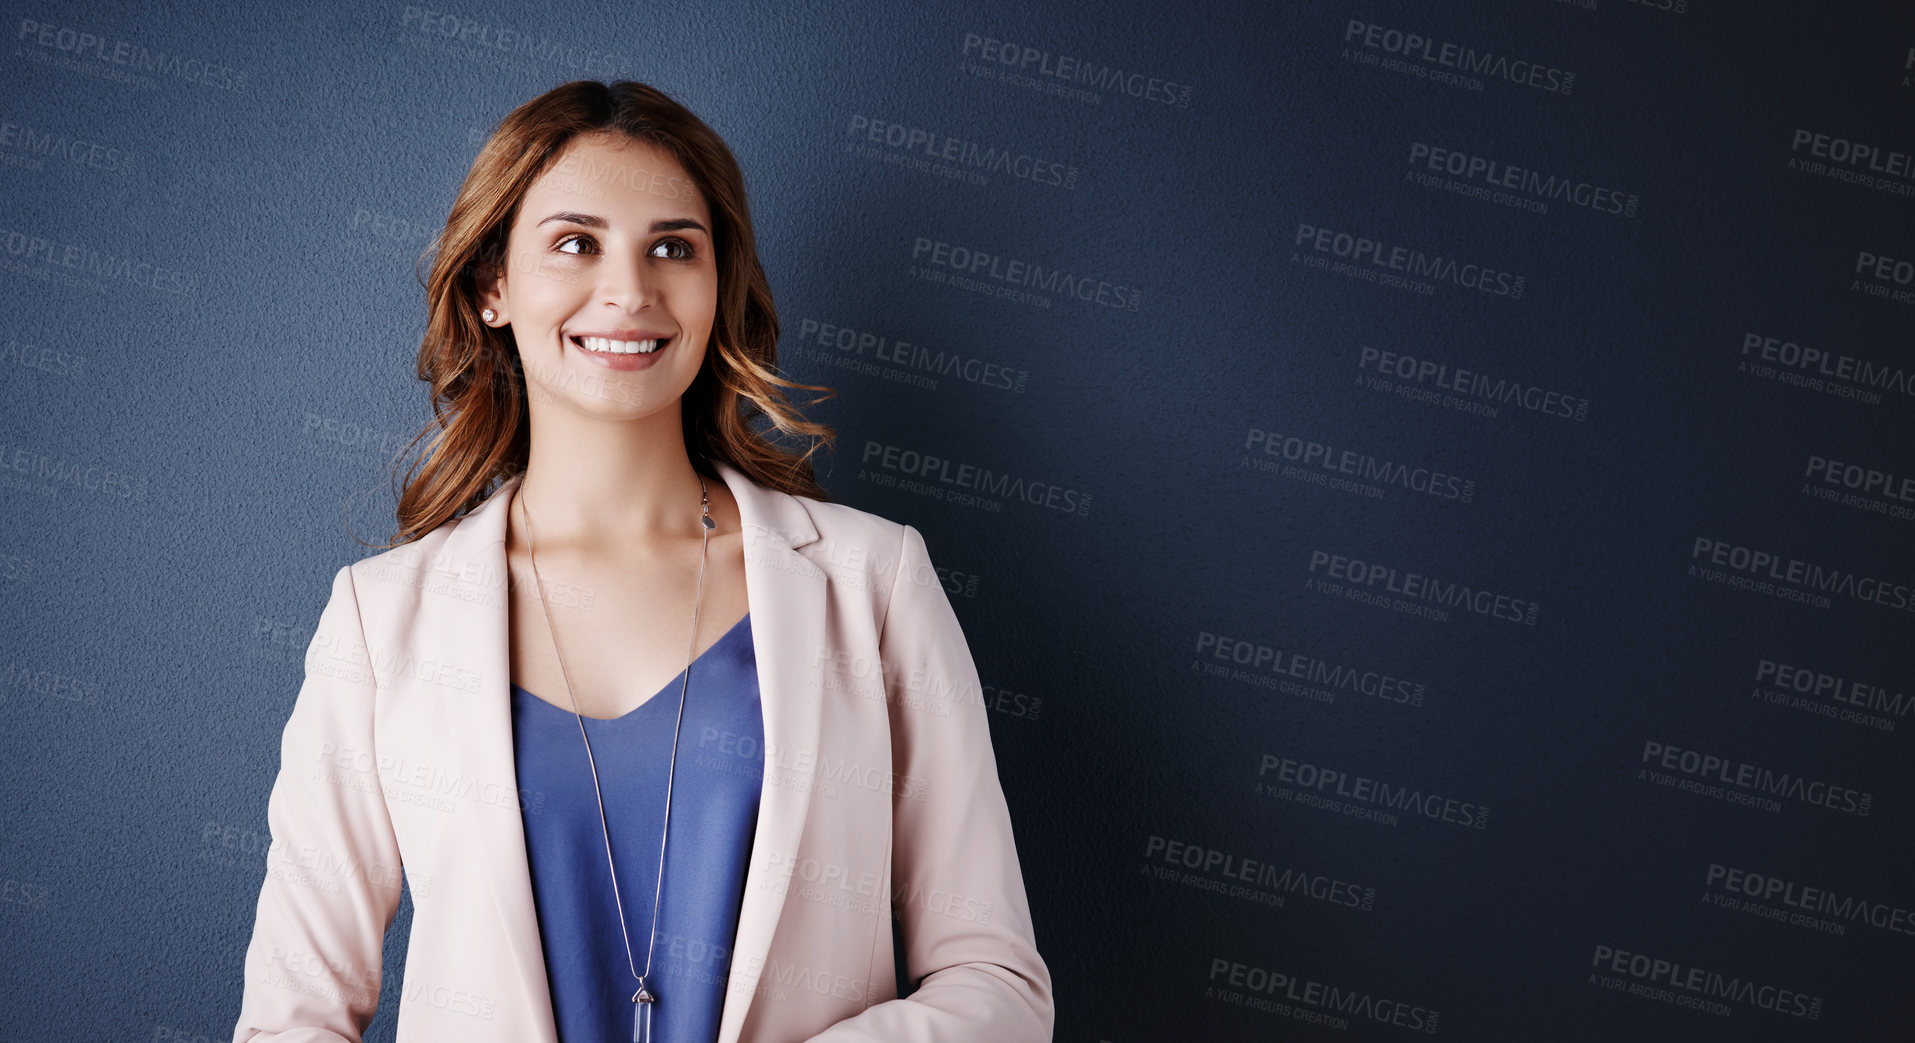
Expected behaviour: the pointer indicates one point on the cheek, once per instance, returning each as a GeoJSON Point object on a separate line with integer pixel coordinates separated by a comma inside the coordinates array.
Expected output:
{"type": "Point", "coordinates": [696, 305]}
{"type": "Point", "coordinates": [710, 296]}
{"type": "Point", "coordinates": [547, 280]}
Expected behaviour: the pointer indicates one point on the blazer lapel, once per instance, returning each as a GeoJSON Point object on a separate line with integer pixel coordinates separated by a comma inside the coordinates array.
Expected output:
{"type": "Point", "coordinates": [478, 632]}
{"type": "Point", "coordinates": [787, 597]}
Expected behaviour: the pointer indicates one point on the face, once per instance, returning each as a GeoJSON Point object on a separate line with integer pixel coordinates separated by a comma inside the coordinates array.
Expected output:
{"type": "Point", "coordinates": [611, 284]}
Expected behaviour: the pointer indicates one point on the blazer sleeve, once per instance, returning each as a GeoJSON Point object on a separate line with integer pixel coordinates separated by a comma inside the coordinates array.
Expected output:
{"type": "Point", "coordinates": [332, 870]}
{"type": "Point", "coordinates": [957, 889]}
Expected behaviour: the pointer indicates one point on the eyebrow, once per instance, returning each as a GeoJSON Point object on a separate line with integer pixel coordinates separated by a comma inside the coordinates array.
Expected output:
{"type": "Point", "coordinates": [594, 221]}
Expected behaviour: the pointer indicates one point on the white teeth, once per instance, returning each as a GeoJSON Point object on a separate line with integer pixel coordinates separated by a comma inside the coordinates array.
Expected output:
{"type": "Point", "coordinates": [619, 347]}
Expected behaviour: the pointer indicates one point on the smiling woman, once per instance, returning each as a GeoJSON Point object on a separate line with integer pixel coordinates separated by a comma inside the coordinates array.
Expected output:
{"type": "Point", "coordinates": [674, 259]}
{"type": "Point", "coordinates": [601, 347]}
{"type": "Point", "coordinates": [580, 184]}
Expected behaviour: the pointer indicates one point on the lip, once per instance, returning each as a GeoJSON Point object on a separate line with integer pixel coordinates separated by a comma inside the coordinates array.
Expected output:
{"type": "Point", "coordinates": [622, 362]}
{"type": "Point", "coordinates": [624, 333]}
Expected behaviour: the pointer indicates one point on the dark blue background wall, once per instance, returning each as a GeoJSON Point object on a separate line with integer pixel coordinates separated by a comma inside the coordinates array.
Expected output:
{"type": "Point", "coordinates": [1490, 425]}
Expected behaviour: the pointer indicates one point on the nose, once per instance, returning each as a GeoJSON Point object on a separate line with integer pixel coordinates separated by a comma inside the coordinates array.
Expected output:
{"type": "Point", "coordinates": [627, 282]}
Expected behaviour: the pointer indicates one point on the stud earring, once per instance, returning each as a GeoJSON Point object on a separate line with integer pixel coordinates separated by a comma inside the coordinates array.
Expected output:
{"type": "Point", "coordinates": [488, 315]}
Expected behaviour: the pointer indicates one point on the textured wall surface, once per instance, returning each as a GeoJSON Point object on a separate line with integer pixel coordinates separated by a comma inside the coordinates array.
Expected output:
{"type": "Point", "coordinates": [1447, 561]}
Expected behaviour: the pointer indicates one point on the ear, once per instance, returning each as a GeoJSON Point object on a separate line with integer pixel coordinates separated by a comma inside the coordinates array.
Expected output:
{"type": "Point", "coordinates": [490, 281]}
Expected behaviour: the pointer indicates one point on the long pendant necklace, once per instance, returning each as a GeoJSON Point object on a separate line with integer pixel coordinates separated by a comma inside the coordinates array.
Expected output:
{"type": "Point", "coordinates": [643, 1000]}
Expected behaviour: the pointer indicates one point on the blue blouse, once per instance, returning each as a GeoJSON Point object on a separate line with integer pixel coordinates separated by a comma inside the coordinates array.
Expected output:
{"type": "Point", "coordinates": [714, 812]}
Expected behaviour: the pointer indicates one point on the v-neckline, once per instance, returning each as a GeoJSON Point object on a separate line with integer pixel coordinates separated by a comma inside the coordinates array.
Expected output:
{"type": "Point", "coordinates": [743, 621]}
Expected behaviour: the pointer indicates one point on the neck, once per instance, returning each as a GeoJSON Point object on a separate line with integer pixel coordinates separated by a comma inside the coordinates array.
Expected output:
{"type": "Point", "coordinates": [593, 482]}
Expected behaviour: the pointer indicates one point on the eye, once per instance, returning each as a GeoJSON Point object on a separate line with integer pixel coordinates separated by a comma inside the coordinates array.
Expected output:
{"type": "Point", "coordinates": [574, 238]}
{"type": "Point", "coordinates": [685, 251]}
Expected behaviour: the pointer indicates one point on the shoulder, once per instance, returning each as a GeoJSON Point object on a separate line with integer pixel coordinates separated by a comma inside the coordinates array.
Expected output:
{"type": "Point", "coordinates": [419, 553]}
{"type": "Point", "coordinates": [433, 563]}
{"type": "Point", "coordinates": [883, 557]}
{"type": "Point", "coordinates": [859, 550]}
{"type": "Point", "coordinates": [846, 522]}
{"type": "Point", "coordinates": [810, 525]}
{"type": "Point", "coordinates": [839, 524]}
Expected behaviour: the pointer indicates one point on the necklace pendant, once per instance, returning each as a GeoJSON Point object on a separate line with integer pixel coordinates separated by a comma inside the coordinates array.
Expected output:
{"type": "Point", "coordinates": [642, 1004]}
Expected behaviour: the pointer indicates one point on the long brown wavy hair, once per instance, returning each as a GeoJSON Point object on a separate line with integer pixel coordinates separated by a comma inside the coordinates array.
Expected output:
{"type": "Point", "coordinates": [480, 431]}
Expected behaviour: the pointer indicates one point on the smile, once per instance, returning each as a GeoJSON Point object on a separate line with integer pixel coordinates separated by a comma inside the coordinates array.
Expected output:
{"type": "Point", "coordinates": [607, 346]}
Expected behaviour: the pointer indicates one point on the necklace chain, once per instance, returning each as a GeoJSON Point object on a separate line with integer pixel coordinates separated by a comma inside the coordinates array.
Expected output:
{"type": "Point", "coordinates": [643, 995]}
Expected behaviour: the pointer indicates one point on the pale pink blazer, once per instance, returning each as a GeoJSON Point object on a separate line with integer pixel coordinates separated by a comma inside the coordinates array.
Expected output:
{"type": "Point", "coordinates": [880, 798]}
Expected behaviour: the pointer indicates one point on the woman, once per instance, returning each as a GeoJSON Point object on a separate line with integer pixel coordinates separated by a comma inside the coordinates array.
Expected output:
{"type": "Point", "coordinates": [598, 848]}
